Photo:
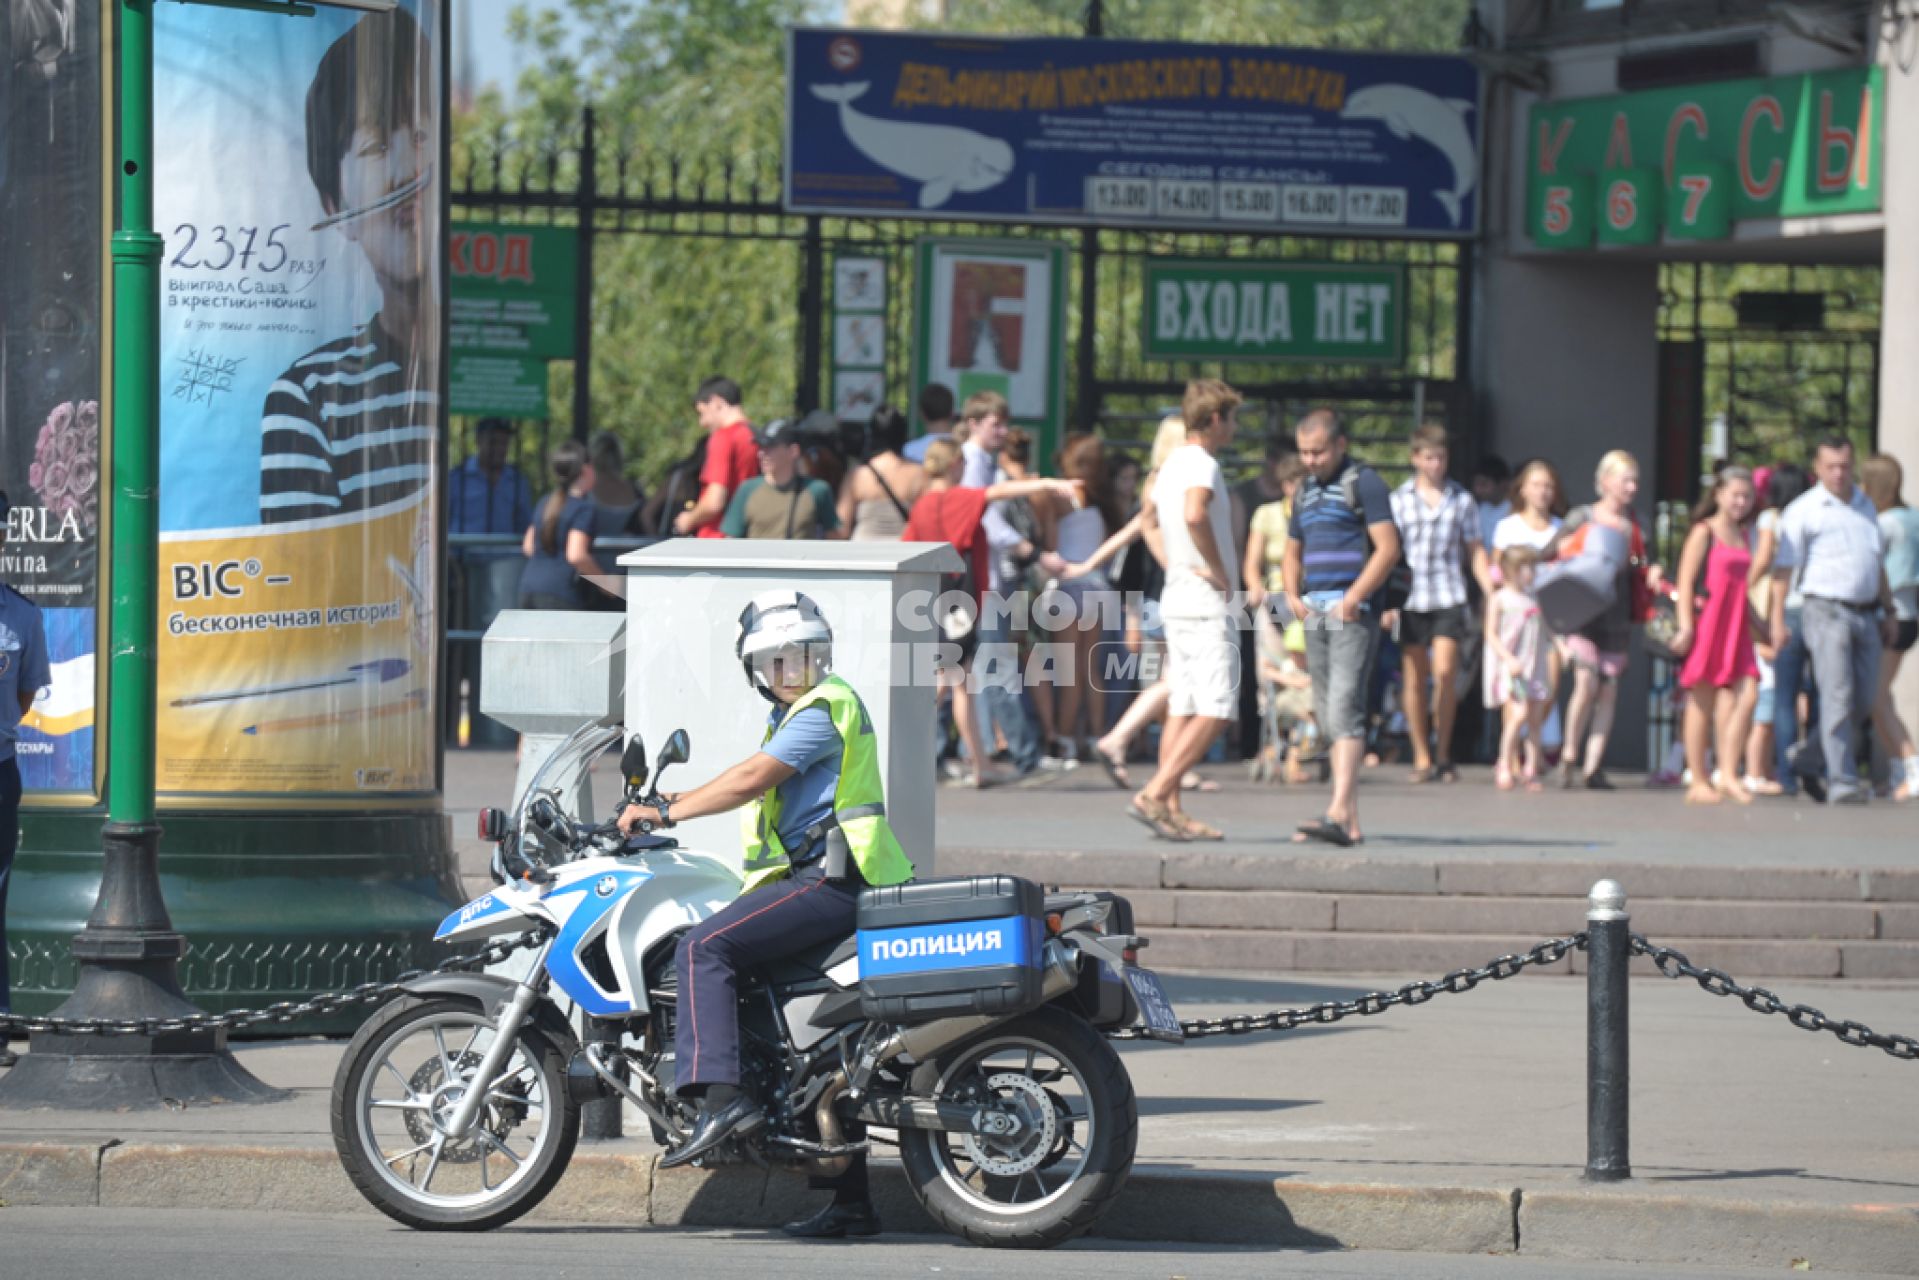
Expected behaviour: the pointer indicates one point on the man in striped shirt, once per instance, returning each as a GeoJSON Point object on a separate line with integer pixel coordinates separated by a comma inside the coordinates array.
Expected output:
{"type": "Point", "coordinates": [1439, 530]}
{"type": "Point", "coordinates": [1341, 549]}
{"type": "Point", "coordinates": [354, 425]}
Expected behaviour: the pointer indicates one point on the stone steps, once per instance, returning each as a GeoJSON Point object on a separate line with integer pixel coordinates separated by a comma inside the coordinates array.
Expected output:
{"type": "Point", "coordinates": [1275, 912]}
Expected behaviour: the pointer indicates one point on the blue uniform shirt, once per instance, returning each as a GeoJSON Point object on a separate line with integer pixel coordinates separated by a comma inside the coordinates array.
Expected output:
{"type": "Point", "coordinates": [475, 504]}
{"type": "Point", "coordinates": [23, 662]}
{"type": "Point", "coordinates": [810, 744]}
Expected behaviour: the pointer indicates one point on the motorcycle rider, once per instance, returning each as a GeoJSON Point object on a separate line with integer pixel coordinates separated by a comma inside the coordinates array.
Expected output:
{"type": "Point", "coordinates": [818, 769]}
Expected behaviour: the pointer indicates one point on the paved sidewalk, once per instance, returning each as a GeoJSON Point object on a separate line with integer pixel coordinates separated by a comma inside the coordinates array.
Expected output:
{"type": "Point", "coordinates": [1082, 811]}
{"type": "Point", "coordinates": [1457, 1126]}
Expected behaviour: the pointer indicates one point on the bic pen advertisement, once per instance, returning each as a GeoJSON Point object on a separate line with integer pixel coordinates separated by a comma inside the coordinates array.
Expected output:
{"type": "Point", "coordinates": [301, 380]}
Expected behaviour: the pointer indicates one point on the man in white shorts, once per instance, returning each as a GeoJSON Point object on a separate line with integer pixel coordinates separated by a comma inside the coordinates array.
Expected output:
{"type": "Point", "coordinates": [1202, 659]}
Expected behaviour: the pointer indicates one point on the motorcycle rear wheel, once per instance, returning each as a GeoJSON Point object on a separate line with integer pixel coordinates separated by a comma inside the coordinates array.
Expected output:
{"type": "Point", "coordinates": [1056, 1177]}
{"type": "Point", "coordinates": [398, 1082]}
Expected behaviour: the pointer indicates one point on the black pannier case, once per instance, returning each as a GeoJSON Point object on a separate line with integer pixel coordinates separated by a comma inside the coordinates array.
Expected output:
{"type": "Point", "coordinates": [948, 948]}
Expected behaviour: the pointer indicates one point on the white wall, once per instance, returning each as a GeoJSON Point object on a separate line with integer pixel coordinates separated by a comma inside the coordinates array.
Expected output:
{"type": "Point", "coordinates": [1899, 307]}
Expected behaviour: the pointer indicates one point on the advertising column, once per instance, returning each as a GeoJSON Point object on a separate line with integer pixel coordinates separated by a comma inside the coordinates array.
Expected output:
{"type": "Point", "coordinates": [301, 372]}
{"type": "Point", "coordinates": [298, 189]}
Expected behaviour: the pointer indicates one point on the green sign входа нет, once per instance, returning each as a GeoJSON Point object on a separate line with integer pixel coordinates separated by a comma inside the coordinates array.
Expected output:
{"type": "Point", "coordinates": [1266, 311]}
{"type": "Point", "coordinates": [1783, 147]}
{"type": "Point", "coordinates": [513, 299]}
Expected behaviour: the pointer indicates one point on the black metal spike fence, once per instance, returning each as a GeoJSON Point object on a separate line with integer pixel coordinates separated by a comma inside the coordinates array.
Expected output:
{"type": "Point", "coordinates": [609, 182]}
{"type": "Point", "coordinates": [1608, 941]}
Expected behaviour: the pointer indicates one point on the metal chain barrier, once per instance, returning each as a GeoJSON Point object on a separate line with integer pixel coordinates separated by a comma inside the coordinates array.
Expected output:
{"type": "Point", "coordinates": [283, 1012]}
{"type": "Point", "coordinates": [1671, 963]}
{"type": "Point", "coordinates": [1675, 965]}
{"type": "Point", "coordinates": [1458, 982]}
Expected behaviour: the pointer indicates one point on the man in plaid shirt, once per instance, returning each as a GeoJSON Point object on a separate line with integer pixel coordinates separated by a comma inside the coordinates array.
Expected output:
{"type": "Point", "coordinates": [1439, 529]}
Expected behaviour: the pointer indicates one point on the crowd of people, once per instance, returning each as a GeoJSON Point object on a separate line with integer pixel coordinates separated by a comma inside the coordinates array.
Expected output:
{"type": "Point", "coordinates": [1314, 618]}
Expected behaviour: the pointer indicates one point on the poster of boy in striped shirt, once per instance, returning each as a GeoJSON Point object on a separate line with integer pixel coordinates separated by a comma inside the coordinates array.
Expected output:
{"type": "Point", "coordinates": [351, 426]}
{"type": "Point", "coordinates": [302, 413]}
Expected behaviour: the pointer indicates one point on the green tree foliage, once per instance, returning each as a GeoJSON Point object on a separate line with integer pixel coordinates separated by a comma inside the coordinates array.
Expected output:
{"type": "Point", "coordinates": [1422, 25]}
{"type": "Point", "coordinates": [690, 95]}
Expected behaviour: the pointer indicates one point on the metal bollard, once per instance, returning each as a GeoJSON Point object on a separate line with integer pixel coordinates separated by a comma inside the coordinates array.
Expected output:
{"type": "Point", "coordinates": [1608, 952]}
{"type": "Point", "coordinates": [604, 1120]}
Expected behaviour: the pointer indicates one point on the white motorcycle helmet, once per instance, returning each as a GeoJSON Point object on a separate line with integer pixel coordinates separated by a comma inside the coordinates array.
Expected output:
{"type": "Point", "coordinates": [779, 623]}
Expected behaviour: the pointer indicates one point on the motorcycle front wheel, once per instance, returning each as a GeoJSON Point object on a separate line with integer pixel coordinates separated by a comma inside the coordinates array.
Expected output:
{"type": "Point", "coordinates": [1058, 1173]}
{"type": "Point", "coordinates": [399, 1082]}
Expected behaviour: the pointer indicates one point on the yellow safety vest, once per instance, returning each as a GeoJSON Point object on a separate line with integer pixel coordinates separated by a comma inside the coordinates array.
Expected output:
{"type": "Point", "coordinates": [859, 801]}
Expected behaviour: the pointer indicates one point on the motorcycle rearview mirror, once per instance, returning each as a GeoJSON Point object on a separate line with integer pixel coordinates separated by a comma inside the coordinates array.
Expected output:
{"type": "Point", "coordinates": [676, 750]}
{"type": "Point", "coordinates": [633, 766]}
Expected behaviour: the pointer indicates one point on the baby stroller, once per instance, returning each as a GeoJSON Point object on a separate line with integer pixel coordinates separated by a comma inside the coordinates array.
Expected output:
{"type": "Point", "coordinates": [1290, 748]}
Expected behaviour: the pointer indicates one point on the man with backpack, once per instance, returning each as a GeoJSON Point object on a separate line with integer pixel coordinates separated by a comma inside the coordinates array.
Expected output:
{"type": "Point", "coordinates": [1342, 549]}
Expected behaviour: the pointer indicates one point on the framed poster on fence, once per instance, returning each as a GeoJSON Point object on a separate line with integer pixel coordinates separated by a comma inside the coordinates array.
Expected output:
{"type": "Point", "coordinates": [990, 315]}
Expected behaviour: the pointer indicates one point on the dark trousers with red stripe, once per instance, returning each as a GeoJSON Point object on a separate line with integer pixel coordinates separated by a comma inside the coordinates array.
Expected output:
{"type": "Point", "coordinates": [789, 915]}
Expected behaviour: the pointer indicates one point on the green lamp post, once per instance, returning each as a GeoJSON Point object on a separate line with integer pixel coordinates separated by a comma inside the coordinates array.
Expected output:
{"type": "Point", "coordinates": [128, 953]}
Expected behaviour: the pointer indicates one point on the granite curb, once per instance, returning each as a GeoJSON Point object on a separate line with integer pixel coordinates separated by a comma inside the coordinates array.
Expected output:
{"type": "Point", "coordinates": [1562, 1219]}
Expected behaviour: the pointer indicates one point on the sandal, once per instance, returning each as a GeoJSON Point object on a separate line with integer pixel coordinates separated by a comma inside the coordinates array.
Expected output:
{"type": "Point", "coordinates": [1446, 771]}
{"type": "Point", "coordinates": [1115, 768]}
{"type": "Point", "coordinates": [1193, 782]}
{"type": "Point", "coordinates": [1419, 776]}
{"type": "Point", "coordinates": [1156, 817]}
{"type": "Point", "coordinates": [1195, 829]}
{"type": "Point", "coordinates": [1324, 831]}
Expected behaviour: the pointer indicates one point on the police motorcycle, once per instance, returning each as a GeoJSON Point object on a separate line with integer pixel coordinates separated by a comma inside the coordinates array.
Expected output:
{"type": "Point", "coordinates": [966, 1015]}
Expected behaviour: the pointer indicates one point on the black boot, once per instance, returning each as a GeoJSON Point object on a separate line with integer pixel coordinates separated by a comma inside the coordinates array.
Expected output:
{"type": "Point", "coordinates": [836, 1222]}
{"type": "Point", "coordinates": [719, 1120]}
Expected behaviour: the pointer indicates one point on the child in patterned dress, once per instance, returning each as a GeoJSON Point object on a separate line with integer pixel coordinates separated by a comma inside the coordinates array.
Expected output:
{"type": "Point", "coordinates": [1517, 678]}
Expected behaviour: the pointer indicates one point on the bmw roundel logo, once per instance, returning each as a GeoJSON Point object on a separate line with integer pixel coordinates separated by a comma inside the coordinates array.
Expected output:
{"type": "Point", "coordinates": [606, 886]}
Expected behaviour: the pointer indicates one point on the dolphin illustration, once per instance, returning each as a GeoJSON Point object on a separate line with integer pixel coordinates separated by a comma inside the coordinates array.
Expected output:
{"type": "Point", "coordinates": [1414, 113]}
{"type": "Point", "coordinates": [943, 158]}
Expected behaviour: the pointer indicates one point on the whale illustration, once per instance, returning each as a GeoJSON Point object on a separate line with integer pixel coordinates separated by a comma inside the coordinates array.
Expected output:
{"type": "Point", "coordinates": [943, 158]}
{"type": "Point", "coordinates": [1441, 122]}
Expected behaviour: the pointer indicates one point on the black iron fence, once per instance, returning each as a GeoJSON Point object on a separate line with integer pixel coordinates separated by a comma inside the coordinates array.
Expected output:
{"type": "Point", "coordinates": [610, 185]}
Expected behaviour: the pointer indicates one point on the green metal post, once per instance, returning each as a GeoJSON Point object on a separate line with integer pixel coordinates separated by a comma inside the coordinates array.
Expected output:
{"type": "Point", "coordinates": [128, 953]}
{"type": "Point", "coordinates": [134, 620]}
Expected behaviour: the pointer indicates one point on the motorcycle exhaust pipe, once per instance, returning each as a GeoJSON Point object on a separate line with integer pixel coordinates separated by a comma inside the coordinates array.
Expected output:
{"type": "Point", "coordinates": [831, 1135]}
{"type": "Point", "coordinates": [927, 1039]}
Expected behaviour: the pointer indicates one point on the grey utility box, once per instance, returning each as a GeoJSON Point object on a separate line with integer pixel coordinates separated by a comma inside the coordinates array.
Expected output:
{"type": "Point", "coordinates": [545, 672]}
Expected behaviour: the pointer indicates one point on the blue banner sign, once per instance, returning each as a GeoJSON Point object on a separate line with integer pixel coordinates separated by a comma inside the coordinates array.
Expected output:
{"type": "Point", "coordinates": [1248, 138]}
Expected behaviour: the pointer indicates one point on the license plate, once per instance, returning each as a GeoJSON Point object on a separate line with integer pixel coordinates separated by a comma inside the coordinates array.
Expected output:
{"type": "Point", "coordinates": [1161, 1022]}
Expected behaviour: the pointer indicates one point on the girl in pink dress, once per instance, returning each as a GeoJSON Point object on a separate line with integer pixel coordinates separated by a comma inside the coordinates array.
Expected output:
{"type": "Point", "coordinates": [1720, 675]}
{"type": "Point", "coordinates": [1518, 676]}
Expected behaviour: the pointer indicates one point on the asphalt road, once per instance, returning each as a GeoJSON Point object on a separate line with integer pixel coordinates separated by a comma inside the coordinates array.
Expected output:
{"type": "Point", "coordinates": [82, 1244]}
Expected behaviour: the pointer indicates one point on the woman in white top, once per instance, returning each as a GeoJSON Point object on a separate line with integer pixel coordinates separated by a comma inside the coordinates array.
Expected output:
{"type": "Point", "coordinates": [1538, 503]}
